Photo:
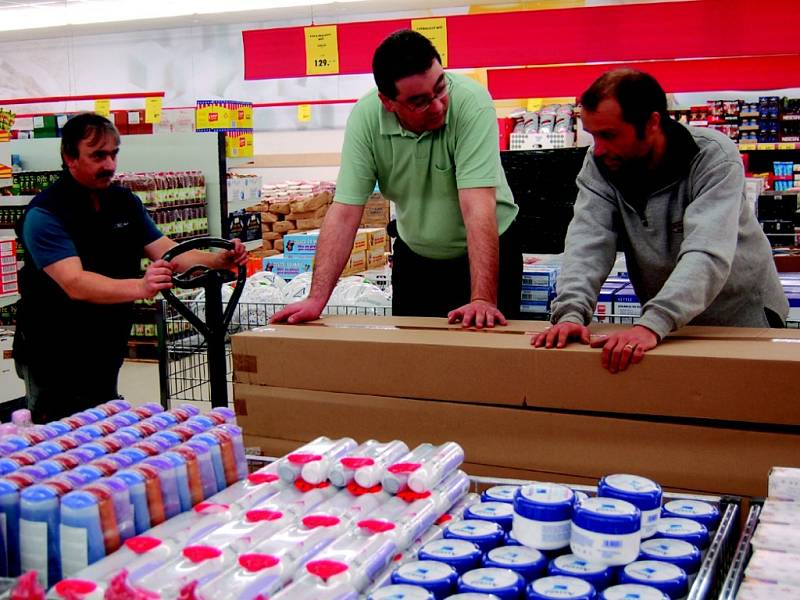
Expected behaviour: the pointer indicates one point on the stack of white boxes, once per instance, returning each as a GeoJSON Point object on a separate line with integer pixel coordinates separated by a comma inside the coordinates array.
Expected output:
{"type": "Point", "coordinates": [8, 266]}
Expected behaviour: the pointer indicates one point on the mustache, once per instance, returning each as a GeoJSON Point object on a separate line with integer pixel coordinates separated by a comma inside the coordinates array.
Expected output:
{"type": "Point", "coordinates": [104, 174]}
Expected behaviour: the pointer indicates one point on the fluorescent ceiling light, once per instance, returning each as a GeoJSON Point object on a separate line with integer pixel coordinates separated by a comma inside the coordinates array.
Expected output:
{"type": "Point", "coordinates": [91, 12]}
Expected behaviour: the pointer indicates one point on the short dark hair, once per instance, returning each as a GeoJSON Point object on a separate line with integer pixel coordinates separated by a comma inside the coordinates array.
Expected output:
{"type": "Point", "coordinates": [83, 126]}
{"type": "Point", "coordinates": [402, 54]}
{"type": "Point", "coordinates": [639, 95]}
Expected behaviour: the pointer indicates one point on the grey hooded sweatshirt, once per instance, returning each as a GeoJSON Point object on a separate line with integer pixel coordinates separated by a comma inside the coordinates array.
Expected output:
{"type": "Point", "coordinates": [695, 252]}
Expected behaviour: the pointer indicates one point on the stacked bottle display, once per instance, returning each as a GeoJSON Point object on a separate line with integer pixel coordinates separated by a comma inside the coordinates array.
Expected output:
{"type": "Point", "coordinates": [75, 490]}
{"type": "Point", "coordinates": [318, 523]}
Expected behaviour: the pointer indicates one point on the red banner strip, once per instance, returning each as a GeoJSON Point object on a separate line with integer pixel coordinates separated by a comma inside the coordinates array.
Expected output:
{"type": "Point", "coordinates": [632, 32]}
{"type": "Point", "coordinates": [704, 75]}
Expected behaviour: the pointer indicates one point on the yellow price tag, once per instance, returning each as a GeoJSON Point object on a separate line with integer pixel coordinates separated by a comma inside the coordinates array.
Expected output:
{"type": "Point", "coordinates": [152, 109]}
{"type": "Point", "coordinates": [746, 147]}
{"type": "Point", "coordinates": [103, 107]}
{"type": "Point", "coordinates": [534, 104]}
{"type": "Point", "coordinates": [322, 50]}
{"type": "Point", "coordinates": [304, 113]}
{"type": "Point", "coordinates": [786, 146]}
{"type": "Point", "coordinates": [436, 31]}
{"type": "Point", "coordinates": [769, 146]}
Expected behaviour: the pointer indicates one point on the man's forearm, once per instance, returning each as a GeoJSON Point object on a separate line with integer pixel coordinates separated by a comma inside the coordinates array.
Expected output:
{"type": "Point", "coordinates": [98, 289]}
{"type": "Point", "coordinates": [483, 247]}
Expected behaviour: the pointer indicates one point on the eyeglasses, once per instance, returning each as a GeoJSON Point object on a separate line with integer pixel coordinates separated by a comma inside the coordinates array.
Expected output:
{"type": "Point", "coordinates": [424, 104]}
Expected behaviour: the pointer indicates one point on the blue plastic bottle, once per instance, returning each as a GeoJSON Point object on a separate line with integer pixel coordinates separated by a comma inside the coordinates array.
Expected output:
{"type": "Point", "coordinates": [52, 467]}
{"type": "Point", "coordinates": [10, 488]}
{"type": "Point", "coordinates": [125, 438]}
{"type": "Point", "coordinates": [60, 427]}
{"type": "Point", "coordinates": [40, 547]}
{"type": "Point", "coordinates": [95, 448]}
{"type": "Point", "coordinates": [168, 477]}
{"type": "Point", "coordinates": [138, 493]}
{"type": "Point", "coordinates": [216, 458]}
{"type": "Point", "coordinates": [205, 462]}
{"type": "Point", "coordinates": [181, 479]}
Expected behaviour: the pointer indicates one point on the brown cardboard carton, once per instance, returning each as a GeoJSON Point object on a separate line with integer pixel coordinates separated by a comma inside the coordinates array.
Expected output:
{"type": "Point", "coordinates": [746, 377]}
{"type": "Point", "coordinates": [376, 356]}
{"type": "Point", "coordinates": [284, 226]}
{"type": "Point", "coordinates": [567, 446]}
{"type": "Point", "coordinates": [280, 208]}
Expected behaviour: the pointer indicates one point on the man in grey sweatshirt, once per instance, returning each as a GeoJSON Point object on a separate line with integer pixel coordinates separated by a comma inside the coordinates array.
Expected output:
{"type": "Point", "coordinates": [672, 198]}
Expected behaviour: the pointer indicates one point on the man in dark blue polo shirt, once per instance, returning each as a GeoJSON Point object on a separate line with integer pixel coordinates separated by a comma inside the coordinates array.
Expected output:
{"type": "Point", "coordinates": [85, 239]}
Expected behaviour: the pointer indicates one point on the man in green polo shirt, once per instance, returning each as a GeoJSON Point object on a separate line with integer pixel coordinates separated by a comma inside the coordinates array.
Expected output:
{"type": "Point", "coordinates": [429, 139]}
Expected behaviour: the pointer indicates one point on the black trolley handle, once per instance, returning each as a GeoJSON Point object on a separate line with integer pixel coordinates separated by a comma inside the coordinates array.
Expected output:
{"type": "Point", "coordinates": [202, 276]}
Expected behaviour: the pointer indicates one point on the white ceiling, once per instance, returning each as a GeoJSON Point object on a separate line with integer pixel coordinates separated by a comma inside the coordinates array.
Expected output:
{"type": "Point", "coordinates": [23, 19]}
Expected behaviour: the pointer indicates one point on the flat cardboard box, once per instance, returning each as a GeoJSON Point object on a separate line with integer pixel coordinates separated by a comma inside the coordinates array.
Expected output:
{"type": "Point", "coordinates": [375, 356]}
{"type": "Point", "coordinates": [690, 457]}
{"type": "Point", "coordinates": [729, 374]}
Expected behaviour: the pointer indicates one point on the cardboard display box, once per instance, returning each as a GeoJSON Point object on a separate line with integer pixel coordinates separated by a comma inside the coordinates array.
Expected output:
{"type": "Point", "coordinates": [727, 374]}
{"type": "Point", "coordinates": [529, 443]}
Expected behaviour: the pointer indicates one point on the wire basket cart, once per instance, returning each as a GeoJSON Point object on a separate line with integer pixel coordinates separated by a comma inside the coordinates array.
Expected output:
{"type": "Point", "coordinates": [183, 365]}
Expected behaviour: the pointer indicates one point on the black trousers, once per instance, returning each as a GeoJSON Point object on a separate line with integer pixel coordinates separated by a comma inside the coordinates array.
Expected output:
{"type": "Point", "coordinates": [425, 287]}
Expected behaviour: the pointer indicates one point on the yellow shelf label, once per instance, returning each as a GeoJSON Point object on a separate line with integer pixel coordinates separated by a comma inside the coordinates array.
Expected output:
{"type": "Point", "coordinates": [746, 147]}
{"type": "Point", "coordinates": [322, 50]}
{"type": "Point", "coordinates": [304, 113]}
{"type": "Point", "coordinates": [786, 146]}
{"type": "Point", "coordinates": [436, 31]}
{"type": "Point", "coordinates": [103, 107]}
{"type": "Point", "coordinates": [152, 109]}
{"type": "Point", "coordinates": [766, 146]}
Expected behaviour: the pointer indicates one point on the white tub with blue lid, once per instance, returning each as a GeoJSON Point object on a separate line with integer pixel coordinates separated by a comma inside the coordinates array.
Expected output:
{"type": "Point", "coordinates": [484, 534]}
{"type": "Point", "coordinates": [503, 583]}
{"type": "Point", "coordinates": [501, 513]}
{"type": "Point", "coordinates": [668, 578]}
{"type": "Point", "coordinates": [684, 529]}
{"type": "Point", "coordinates": [472, 596]}
{"type": "Point", "coordinates": [401, 591]}
{"type": "Point", "coordinates": [571, 565]}
{"type": "Point", "coordinates": [695, 510]}
{"type": "Point", "coordinates": [528, 562]}
{"type": "Point", "coordinates": [436, 577]}
{"type": "Point", "coordinates": [557, 587]}
{"type": "Point", "coordinates": [500, 493]}
{"type": "Point", "coordinates": [542, 513]}
{"type": "Point", "coordinates": [606, 530]}
{"type": "Point", "coordinates": [462, 555]}
{"type": "Point", "coordinates": [643, 493]}
{"type": "Point", "coordinates": [633, 591]}
{"type": "Point", "coordinates": [511, 540]}
{"type": "Point", "coordinates": [678, 552]}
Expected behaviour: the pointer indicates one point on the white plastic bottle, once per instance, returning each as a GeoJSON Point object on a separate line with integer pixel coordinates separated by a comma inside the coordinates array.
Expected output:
{"type": "Point", "coordinates": [396, 475]}
{"type": "Point", "coordinates": [643, 493]}
{"type": "Point", "coordinates": [194, 564]}
{"type": "Point", "coordinates": [341, 473]}
{"type": "Point", "coordinates": [253, 575]}
{"type": "Point", "coordinates": [254, 489]}
{"type": "Point", "coordinates": [606, 530]}
{"type": "Point", "coordinates": [370, 472]}
{"type": "Point", "coordinates": [139, 555]}
{"type": "Point", "coordinates": [437, 465]}
{"type": "Point", "coordinates": [289, 466]}
{"type": "Point", "coordinates": [316, 471]}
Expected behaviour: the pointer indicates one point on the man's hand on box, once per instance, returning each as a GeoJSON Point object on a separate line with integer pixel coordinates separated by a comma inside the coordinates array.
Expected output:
{"type": "Point", "coordinates": [625, 347]}
{"type": "Point", "coordinates": [157, 277]}
{"type": "Point", "coordinates": [299, 312]}
{"type": "Point", "coordinates": [479, 313]}
{"type": "Point", "coordinates": [558, 335]}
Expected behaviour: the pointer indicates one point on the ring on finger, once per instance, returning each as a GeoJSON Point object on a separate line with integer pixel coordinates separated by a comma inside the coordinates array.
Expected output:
{"type": "Point", "coordinates": [631, 346]}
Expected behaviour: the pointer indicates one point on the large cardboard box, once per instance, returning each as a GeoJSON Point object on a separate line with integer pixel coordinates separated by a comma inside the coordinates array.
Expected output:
{"type": "Point", "coordinates": [528, 443]}
{"type": "Point", "coordinates": [726, 374]}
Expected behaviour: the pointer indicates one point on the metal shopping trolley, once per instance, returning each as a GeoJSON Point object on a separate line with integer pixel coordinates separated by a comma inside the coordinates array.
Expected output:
{"type": "Point", "coordinates": [193, 365]}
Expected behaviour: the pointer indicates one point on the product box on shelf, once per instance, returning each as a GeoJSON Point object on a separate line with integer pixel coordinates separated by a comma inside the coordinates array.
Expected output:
{"type": "Point", "coordinates": [626, 303]}
{"type": "Point", "coordinates": [376, 257]}
{"type": "Point", "coordinates": [357, 263]}
{"type": "Point", "coordinates": [287, 266]}
{"type": "Point", "coordinates": [697, 375]}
